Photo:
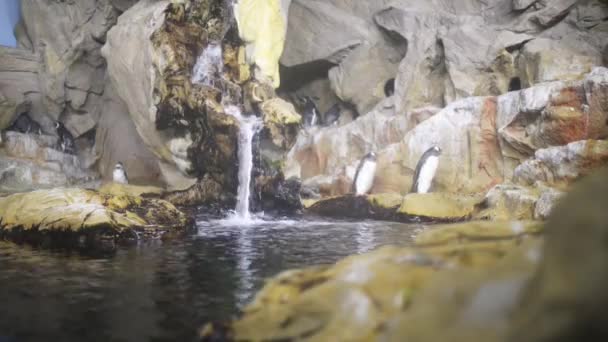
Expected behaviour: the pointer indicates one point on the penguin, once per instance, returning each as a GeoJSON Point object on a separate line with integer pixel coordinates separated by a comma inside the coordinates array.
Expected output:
{"type": "Point", "coordinates": [66, 139]}
{"type": "Point", "coordinates": [311, 113]}
{"type": "Point", "coordinates": [332, 115]}
{"type": "Point", "coordinates": [389, 87]}
{"type": "Point", "coordinates": [364, 177]}
{"type": "Point", "coordinates": [425, 170]}
{"type": "Point", "coordinates": [119, 175]}
{"type": "Point", "coordinates": [25, 124]}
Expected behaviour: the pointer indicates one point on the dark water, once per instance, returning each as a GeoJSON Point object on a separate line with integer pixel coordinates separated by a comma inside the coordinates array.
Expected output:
{"type": "Point", "coordinates": [164, 291]}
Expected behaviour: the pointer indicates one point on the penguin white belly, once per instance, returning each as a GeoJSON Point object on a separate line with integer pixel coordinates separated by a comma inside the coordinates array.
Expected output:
{"type": "Point", "coordinates": [365, 178]}
{"type": "Point", "coordinates": [427, 173]}
{"type": "Point", "coordinates": [119, 177]}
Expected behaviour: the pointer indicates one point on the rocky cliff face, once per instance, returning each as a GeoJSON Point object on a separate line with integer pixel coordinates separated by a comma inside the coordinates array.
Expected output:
{"type": "Point", "coordinates": [491, 83]}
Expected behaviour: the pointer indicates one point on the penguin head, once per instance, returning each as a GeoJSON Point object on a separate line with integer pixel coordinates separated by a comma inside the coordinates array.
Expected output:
{"type": "Point", "coordinates": [371, 156]}
{"type": "Point", "coordinates": [57, 124]}
{"type": "Point", "coordinates": [118, 166]}
{"type": "Point", "coordinates": [436, 149]}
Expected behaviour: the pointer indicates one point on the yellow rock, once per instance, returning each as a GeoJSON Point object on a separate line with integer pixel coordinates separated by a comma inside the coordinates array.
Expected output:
{"type": "Point", "coordinates": [387, 200]}
{"type": "Point", "coordinates": [438, 205]}
{"type": "Point", "coordinates": [78, 210]}
{"type": "Point", "coordinates": [263, 26]}
{"type": "Point", "coordinates": [476, 231]}
{"type": "Point", "coordinates": [117, 189]}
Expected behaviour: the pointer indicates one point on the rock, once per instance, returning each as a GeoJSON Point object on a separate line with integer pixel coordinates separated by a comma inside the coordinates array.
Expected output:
{"type": "Point", "coordinates": [118, 189]}
{"type": "Point", "coordinates": [182, 124]}
{"type": "Point", "coordinates": [80, 218]}
{"type": "Point", "coordinates": [546, 60]}
{"type": "Point", "coordinates": [204, 192]}
{"type": "Point", "coordinates": [377, 207]}
{"type": "Point", "coordinates": [508, 202]}
{"type": "Point", "coordinates": [117, 139]}
{"type": "Point", "coordinates": [363, 56]}
{"type": "Point", "coordinates": [279, 195]}
{"type": "Point", "coordinates": [391, 292]}
{"type": "Point", "coordinates": [572, 271]}
{"type": "Point", "coordinates": [546, 202]}
{"type": "Point", "coordinates": [334, 152]}
{"type": "Point", "coordinates": [67, 36]}
{"type": "Point", "coordinates": [563, 164]}
{"type": "Point", "coordinates": [476, 230]}
{"type": "Point", "coordinates": [19, 89]}
{"type": "Point", "coordinates": [438, 206]}
{"type": "Point", "coordinates": [282, 121]}
{"type": "Point", "coordinates": [265, 38]}
{"type": "Point", "coordinates": [49, 167]}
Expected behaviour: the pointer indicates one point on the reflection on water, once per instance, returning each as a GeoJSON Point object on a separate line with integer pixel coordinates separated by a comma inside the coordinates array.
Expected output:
{"type": "Point", "coordinates": [165, 291]}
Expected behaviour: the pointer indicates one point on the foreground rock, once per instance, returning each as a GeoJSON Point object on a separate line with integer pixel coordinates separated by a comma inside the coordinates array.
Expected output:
{"type": "Point", "coordinates": [358, 298]}
{"type": "Point", "coordinates": [485, 281]}
{"type": "Point", "coordinates": [430, 207]}
{"type": "Point", "coordinates": [85, 219]}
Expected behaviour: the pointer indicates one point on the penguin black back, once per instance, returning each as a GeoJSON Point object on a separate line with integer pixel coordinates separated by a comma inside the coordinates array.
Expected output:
{"type": "Point", "coordinates": [434, 151]}
{"type": "Point", "coordinates": [370, 157]}
{"type": "Point", "coordinates": [332, 115]}
{"type": "Point", "coordinates": [311, 112]}
{"type": "Point", "coordinates": [66, 139]}
{"type": "Point", "coordinates": [389, 87]}
{"type": "Point", "coordinates": [25, 124]}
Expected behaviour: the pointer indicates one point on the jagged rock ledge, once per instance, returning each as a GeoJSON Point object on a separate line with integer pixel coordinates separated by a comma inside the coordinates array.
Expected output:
{"type": "Point", "coordinates": [86, 220]}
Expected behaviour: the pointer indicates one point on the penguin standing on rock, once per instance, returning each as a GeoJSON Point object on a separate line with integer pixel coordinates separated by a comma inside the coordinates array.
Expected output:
{"type": "Point", "coordinates": [311, 113]}
{"type": "Point", "coordinates": [119, 175]}
{"type": "Point", "coordinates": [364, 178]}
{"type": "Point", "coordinates": [66, 139]}
{"type": "Point", "coordinates": [425, 170]}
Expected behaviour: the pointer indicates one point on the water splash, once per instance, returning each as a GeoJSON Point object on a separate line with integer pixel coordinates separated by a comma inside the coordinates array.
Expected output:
{"type": "Point", "coordinates": [249, 125]}
{"type": "Point", "coordinates": [209, 65]}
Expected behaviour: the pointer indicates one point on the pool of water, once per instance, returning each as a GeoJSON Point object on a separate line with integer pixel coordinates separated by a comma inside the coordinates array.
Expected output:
{"type": "Point", "coordinates": [165, 291]}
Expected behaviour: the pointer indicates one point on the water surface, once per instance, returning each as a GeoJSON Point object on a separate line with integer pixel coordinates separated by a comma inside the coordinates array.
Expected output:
{"type": "Point", "coordinates": [164, 291]}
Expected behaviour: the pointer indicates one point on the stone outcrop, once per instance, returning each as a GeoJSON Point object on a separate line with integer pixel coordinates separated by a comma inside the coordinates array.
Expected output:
{"type": "Point", "coordinates": [484, 140]}
{"type": "Point", "coordinates": [151, 53]}
{"type": "Point", "coordinates": [32, 161]}
{"type": "Point", "coordinates": [78, 218]}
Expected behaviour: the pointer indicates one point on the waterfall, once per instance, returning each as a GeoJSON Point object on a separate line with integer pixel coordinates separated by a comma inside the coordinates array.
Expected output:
{"type": "Point", "coordinates": [208, 65]}
{"type": "Point", "coordinates": [249, 125]}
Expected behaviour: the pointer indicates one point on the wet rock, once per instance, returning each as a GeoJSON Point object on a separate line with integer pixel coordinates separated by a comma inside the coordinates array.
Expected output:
{"type": "Point", "coordinates": [378, 206]}
{"type": "Point", "coordinates": [278, 194]}
{"type": "Point", "coordinates": [438, 206]}
{"type": "Point", "coordinates": [204, 192]}
{"type": "Point", "coordinates": [77, 218]}
{"type": "Point", "coordinates": [476, 231]}
{"type": "Point", "coordinates": [563, 164]}
{"type": "Point", "coordinates": [508, 202]}
{"type": "Point", "coordinates": [566, 297]}
{"type": "Point", "coordinates": [396, 291]}
{"type": "Point", "coordinates": [282, 121]}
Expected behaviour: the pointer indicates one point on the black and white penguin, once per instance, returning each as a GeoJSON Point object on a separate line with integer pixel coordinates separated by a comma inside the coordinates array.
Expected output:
{"type": "Point", "coordinates": [311, 113]}
{"type": "Point", "coordinates": [119, 175]}
{"type": "Point", "coordinates": [389, 87]}
{"type": "Point", "coordinates": [364, 177]}
{"type": "Point", "coordinates": [425, 170]}
{"type": "Point", "coordinates": [25, 124]}
{"type": "Point", "coordinates": [66, 139]}
{"type": "Point", "coordinates": [332, 115]}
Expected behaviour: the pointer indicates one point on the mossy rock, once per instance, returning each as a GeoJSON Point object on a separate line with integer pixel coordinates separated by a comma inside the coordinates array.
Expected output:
{"type": "Point", "coordinates": [118, 189]}
{"type": "Point", "coordinates": [476, 231]}
{"type": "Point", "coordinates": [438, 206]}
{"type": "Point", "coordinates": [377, 206]}
{"type": "Point", "coordinates": [86, 218]}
